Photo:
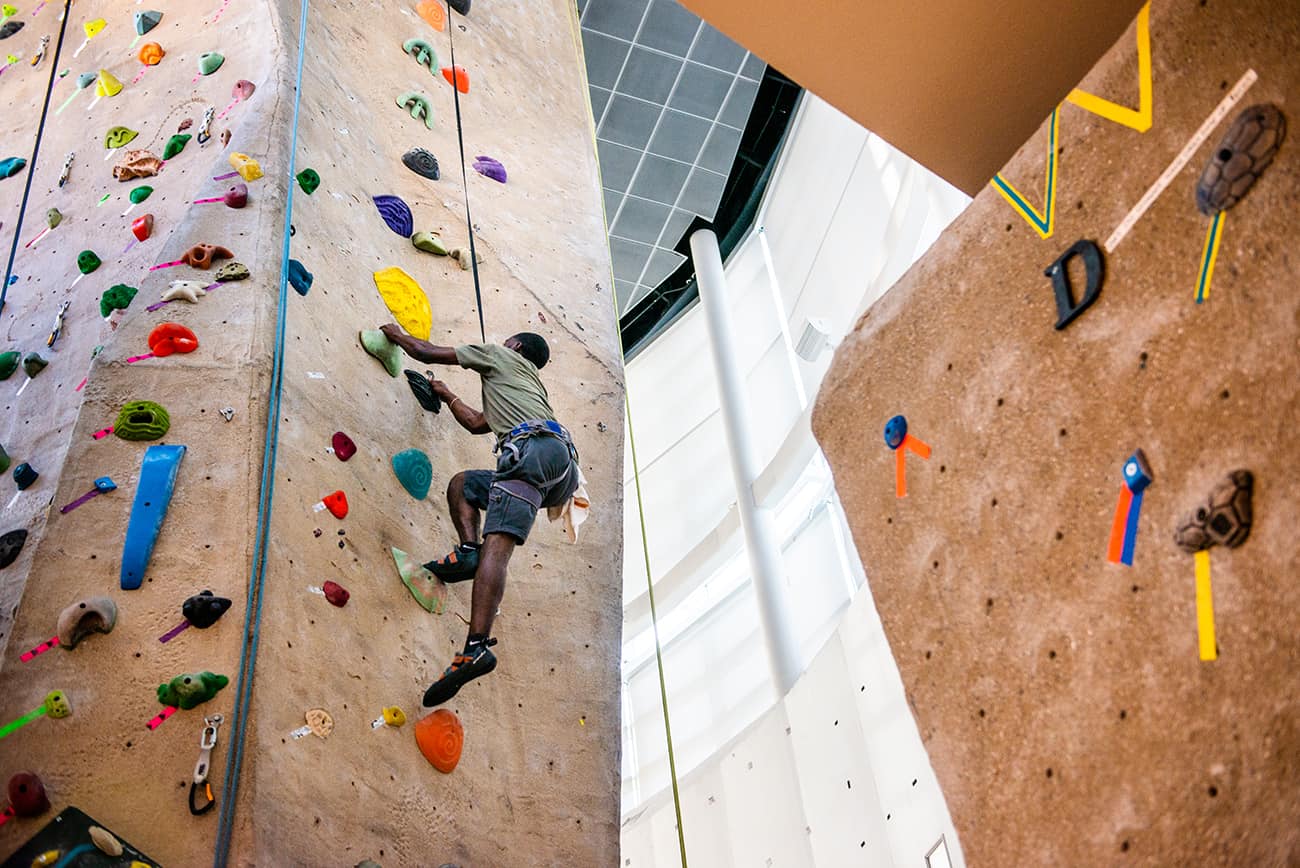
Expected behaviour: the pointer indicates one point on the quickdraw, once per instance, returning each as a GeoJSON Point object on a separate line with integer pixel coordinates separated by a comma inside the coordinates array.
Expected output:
{"type": "Point", "coordinates": [206, 743]}
{"type": "Point", "coordinates": [205, 132]}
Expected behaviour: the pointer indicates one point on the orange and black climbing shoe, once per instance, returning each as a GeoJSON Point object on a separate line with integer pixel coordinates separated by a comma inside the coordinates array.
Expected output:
{"type": "Point", "coordinates": [459, 566]}
{"type": "Point", "coordinates": [464, 668]}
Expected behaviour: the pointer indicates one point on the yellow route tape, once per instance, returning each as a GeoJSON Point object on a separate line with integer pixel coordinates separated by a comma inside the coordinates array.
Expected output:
{"type": "Point", "coordinates": [1205, 608]}
{"type": "Point", "coordinates": [1139, 119]}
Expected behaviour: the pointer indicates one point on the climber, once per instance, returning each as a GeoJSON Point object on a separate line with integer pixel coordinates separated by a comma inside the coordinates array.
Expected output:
{"type": "Point", "coordinates": [537, 466]}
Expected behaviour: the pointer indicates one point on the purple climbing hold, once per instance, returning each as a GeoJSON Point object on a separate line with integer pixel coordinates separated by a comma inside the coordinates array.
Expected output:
{"type": "Point", "coordinates": [490, 168]}
{"type": "Point", "coordinates": [397, 214]}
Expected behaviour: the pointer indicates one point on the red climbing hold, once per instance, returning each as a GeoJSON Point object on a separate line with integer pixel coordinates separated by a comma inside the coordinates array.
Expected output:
{"type": "Point", "coordinates": [172, 337]}
{"type": "Point", "coordinates": [344, 448]}
{"type": "Point", "coordinates": [458, 76]}
{"type": "Point", "coordinates": [440, 737]}
{"type": "Point", "coordinates": [336, 503]}
{"type": "Point", "coordinates": [142, 227]}
{"type": "Point", "coordinates": [336, 594]}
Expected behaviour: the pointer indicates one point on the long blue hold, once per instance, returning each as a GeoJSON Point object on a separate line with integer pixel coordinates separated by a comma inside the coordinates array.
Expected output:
{"type": "Point", "coordinates": [152, 496]}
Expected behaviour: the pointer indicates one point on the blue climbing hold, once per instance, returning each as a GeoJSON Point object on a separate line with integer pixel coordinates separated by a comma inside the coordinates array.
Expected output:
{"type": "Point", "coordinates": [11, 166]}
{"type": "Point", "coordinates": [299, 277]}
{"type": "Point", "coordinates": [895, 431]}
{"type": "Point", "coordinates": [397, 214]}
{"type": "Point", "coordinates": [152, 496]}
{"type": "Point", "coordinates": [414, 471]}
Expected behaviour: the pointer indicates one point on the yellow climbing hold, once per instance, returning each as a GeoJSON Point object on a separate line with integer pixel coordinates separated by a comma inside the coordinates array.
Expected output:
{"type": "Point", "coordinates": [406, 300]}
{"type": "Point", "coordinates": [108, 85]}
{"type": "Point", "coordinates": [92, 28]}
{"type": "Point", "coordinates": [248, 168]}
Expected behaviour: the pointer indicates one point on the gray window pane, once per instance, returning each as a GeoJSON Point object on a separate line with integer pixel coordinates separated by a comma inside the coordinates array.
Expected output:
{"type": "Point", "coordinates": [739, 104]}
{"type": "Point", "coordinates": [675, 228]}
{"type": "Point", "coordinates": [641, 220]}
{"type": "Point", "coordinates": [720, 150]}
{"type": "Point", "coordinates": [629, 258]}
{"type": "Point", "coordinates": [701, 91]}
{"type": "Point", "coordinates": [615, 17]}
{"type": "Point", "coordinates": [680, 136]}
{"type": "Point", "coordinates": [754, 67]}
{"type": "Point", "coordinates": [628, 122]}
{"type": "Point", "coordinates": [714, 49]}
{"type": "Point", "coordinates": [599, 96]}
{"type": "Point", "coordinates": [660, 179]}
{"type": "Point", "coordinates": [702, 193]}
{"type": "Point", "coordinates": [612, 200]}
{"type": "Point", "coordinates": [624, 291]}
{"type": "Point", "coordinates": [604, 58]}
{"type": "Point", "coordinates": [649, 75]}
{"type": "Point", "coordinates": [616, 164]}
{"type": "Point", "coordinates": [662, 264]}
{"type": "Point", "coordinates": [668, 27]}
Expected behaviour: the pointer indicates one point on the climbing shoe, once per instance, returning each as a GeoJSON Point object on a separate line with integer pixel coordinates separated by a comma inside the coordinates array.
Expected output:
{"type": "Point", "coordinates": [463, 669]}
{"type": "Point", "coordinates": [459, 566]}
{"type": "Point", "coordinates": [423, 391]}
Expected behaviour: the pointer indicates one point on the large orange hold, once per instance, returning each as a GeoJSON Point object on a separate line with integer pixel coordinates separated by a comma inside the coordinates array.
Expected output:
{"type": "Point", "coordinates": [458, 76]}
{"type": "Point", "coordinates": [172, 337]}
{"type": "Point", "coordinates": [432, 12]}
{"type": "Point", "coordinates": [151, 54]}
{"type": "Point", "coordinates": [440, 737]}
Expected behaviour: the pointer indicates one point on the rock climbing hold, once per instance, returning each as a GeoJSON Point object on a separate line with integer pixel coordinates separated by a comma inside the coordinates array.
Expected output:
{"type": "Point", "coordinates": [85, 80]}
{"type": "Point", "coordinates": [236, 196]}
{"type": "Point", "coordinates": [319, 722]}
{"type": "Point", "coordinates": [11, 545]}
{"type": "Point", "coordinates": [117, 297]}
{"type": "Point", "coordinates": [27, 795]}
{"type": "Point", "coordinates": [406, 301]}
{"type": "Point", "coordinates": [151, 54]}
{"type": "Point", "coordinates": [11, 166]}
{"type": "Point", "coordinates": [336, 594]}
{"type": "Point", "coordinates": [490, 168]}
{"type": "Point", "coordinates": [141, 420]}
{"type": "Point", "coordinates": [25, 475]}
{"type": "Point", "coordinates": [53, 217]}
{"type": "Point", "coordinates": [427, 589]}
{"type": "Point", "coordinates": [200, 256]}
{"type": "Point", "coordinates": [1245, 151]}
{"type": "Point", "coordinates": [171, 337]}
{"type": "Point", "coordinates": [464, 258]}
{"type": "Point", "coordinates": [1224, 519]}
{"type": "Point", "coordinates": [378, 345]}
{"type": "Point", "coordinates": [87, 261]}
{"type": "Point", "coordinates": [153, 495]}
{"type": "Point", "coordinates": [56, 705]}
{"type": "Point", "coordinates": [308, 180]}
{"type": "Point", "coordinates": [146, 20]}
{"type": "Point", "coordinates": [136, 164]}
{"type": "Point", "coordinates": [9, 28]}
{"type": "Point", "coordinates": [191, 689]}
{"type": "Point", "coordinates": [246, 166]}
{"type": "Point", "coordinates": [33, 364]}
{"type": "Point", "coordinates": [458, 76]}
{"type": "Point", "coordinates": [210, 62]}
{"type": "Point", "coordinates": [139, 194]}
{"type": "Point", "coordinates": [343, 446]}
{"type": "Point", "coordinates": [461, 6]}
{"type": "Point", "coordinates": [107, 84]}
{"type": "Point", "coordinates": [337, 503]}
{"type": "Point", "coordinates": [414, 471]}
{"type": "Point", "coordinates": [418, 106]}
{"type": "Point", "coordinates": [431, 12]}
{"type": "Point", "coordinates": [242, 90]}
{"type": "Point", "coordinates": [225, 137]}
{"type": "Point", "coordinates": [9, 363]}
{"type": "Point", "coordinates": [92, 28]}
{"type": "Point", "coordinates": [440, 738]}
{"type": "Point", "coordinates": [394, 716]}
{"type": "Point", "coordinates": [204, 609]}
{"type": "Point", "coordinates": [232, 271]}
{"type": "Point", "coordinates": [423, 391]}
{"type": "Point", "coordinates": [185, 290]}
{"type": "Point", "coordinates": [175, 145]}
{"type": "Point", "coordinates": [79, 620]}
{"type": "Point", "coordinates": [142, 227]}
{"type": "Point", "coordinates": [397, 214]}
{"type": "Point", "coordinates": [422, 163]}
{"type": "Point", "coordinates": [895, 431]}
{"type": "Point", "coordinates": [299, 277]}
{"type": "Point", "coordinates": [429, 242]}
{"type": "Point", "coordinates": [4, 460]}
{"type": "Point", "coordinates": [117, 137]}
{"type": "Point", "coordinates": [104, 841]}
{"type": "Point", "coordinates": [423, 53]}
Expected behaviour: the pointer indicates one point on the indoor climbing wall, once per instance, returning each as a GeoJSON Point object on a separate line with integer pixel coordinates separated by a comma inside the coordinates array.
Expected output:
{"type": "Point", "coordinates": [538, 779]}
{"type": "Point", "coordinates": [1090, 691]}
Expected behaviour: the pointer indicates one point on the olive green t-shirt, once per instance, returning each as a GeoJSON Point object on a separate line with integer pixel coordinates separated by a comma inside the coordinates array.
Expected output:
{"type": "Point", "coordinates": [512, 391]}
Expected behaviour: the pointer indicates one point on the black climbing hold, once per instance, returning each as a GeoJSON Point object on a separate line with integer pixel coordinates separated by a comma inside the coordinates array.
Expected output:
{"type": "Point", "coordinates": [1245, 152]}
{"type": "Point", "coordinates": [25, 475]}
{"type": "Point", "coordinates": [423, 392]}
{"type": "Point", "coordinates": [461, 6]}
{"type": "Point", "coordinates": [204, 609]}
{"type": "Point", "coordinates": [422, 163]}
{"type": "Point", "coordinates": [299, 277]}
{"type": "Point", "coordinates": [1066, 308]}
{"type": "Point", "coordinates": [10, 28]}
{"type": "Point", "coordinates": [11, 544]}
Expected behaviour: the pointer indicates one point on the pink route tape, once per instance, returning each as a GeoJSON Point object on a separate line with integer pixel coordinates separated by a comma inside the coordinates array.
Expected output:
{"type": "Point", "coordinates": [40, 649]}
{"type": "Point", "coordinates": [161, 718]}
{"type": "Point", "coordinates": [100, 435]}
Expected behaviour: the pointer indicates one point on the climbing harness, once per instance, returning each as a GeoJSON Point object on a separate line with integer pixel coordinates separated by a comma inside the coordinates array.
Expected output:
{"type": "Point", "coordinates": [464, 176]}
{"type": "Point", "coordinates": [205, 131]}
{"type": "Point", "coordinates": [207, 741]}
{"type": "Point", "coordinates": [508, 447]}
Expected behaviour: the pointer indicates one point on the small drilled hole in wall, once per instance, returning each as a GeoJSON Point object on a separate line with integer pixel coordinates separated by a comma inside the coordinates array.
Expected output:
{"type": "Point", "coordinates": [1123, 847]}
{"type": "Point", "coordinates": [1063, 432]}
{"type": "Point", "coordinates": [1213, 791]}
{"type": "Point", "coordinates": [981, 712]}
{"type": "Point", "coordinates": [1123, 715]}
{"type": "Point", "coordinates": [942, 468]}
{"type": "Point", "coordinates": [1051, 655]}
{"type": "Point", "coordinates": [1135, 589]}
{"type": "Point", "coordinates": [999, 402]}
{"type": "Point", "coordinates": [936, 565]}
{"type": "Point", "coordinates": [1224, 394]}
{"type": "Point", "coordinates": [995, 501]}
{"type": "Point", "coordinates": [1060, 535]}
{"type": "Point", "coordinates": [913, 781]}
{"type": "Point", "coordinates": [927, 655]}
{"type": "Point", "coordinates": [1049, 773]}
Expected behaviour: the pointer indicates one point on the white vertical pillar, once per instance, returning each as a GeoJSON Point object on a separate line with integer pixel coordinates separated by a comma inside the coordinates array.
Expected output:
{"type": "Point", "coordinates": [761, 542]}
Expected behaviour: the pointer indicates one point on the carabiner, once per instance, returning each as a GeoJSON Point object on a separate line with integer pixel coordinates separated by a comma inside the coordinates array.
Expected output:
{"type": "Point", "coordinates": [205, 132]}
{"type": "Point", "coordinates": [207, 741]}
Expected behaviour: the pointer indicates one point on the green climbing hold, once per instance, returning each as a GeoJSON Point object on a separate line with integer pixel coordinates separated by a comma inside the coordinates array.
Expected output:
{"type": "Point", "coordinates": [141, 420]}
{"type": "Point", "coordinates": [423, 53]}
{"type": "Point", "coordinates": [9, 364]}
{"type": "Point", "coordinates": [429, 242]}
{"type": "Point", "coordinates": [53, 217]}
{"type": "Point", "coordinates": [378, 345]}
{"type": "Point", "coordinates": [116, 298]}
{"type": "Point", "coordinates": [414, 471]}
{"type": "Point", "coordinates": [417, 104]}
{"type": "Point", "coordinates": [309, 180]}
{"type": "Point", "coordinates": [210, 62]}
{"type": "Point", "coordinates": [87, 261]}
{"type": "Point", "coordinates": [4, 460]}
{"type": "Point", "coordinates": [146, 20]}
{"type": "Point", "coordinates": [118, 137]}
{"type": "Point", "coordinates": [139, 194]}
{"type": "Point", "coordinates": [195, 688]}
{"type": "Point", "coordinates": [33, 364]}
{"type": "Point", "coordinates": [175, 145]}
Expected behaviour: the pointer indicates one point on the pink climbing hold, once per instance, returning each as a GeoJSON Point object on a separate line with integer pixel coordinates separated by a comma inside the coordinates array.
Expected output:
{"type": "Point", "coordinates": [344, 448]}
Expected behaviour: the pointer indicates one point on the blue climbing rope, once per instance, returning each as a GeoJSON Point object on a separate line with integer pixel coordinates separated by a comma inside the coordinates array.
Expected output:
{"type": "Point", "coordinates": [253, 610]}
{"type": "Point", "coordinates": [464, 177]}
{"type": "Point", "coordinates": [36, 150]}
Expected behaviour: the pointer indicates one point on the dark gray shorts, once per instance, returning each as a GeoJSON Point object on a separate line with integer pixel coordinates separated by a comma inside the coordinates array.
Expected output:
{"type": "Point", "coordinates": [511, 506]}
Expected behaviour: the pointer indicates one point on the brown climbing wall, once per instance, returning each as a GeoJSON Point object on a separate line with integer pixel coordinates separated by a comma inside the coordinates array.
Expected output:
{"type": "Point", "coordinates": [538, 783]}
{"type": "Point", "coordinates": [1061, 697]}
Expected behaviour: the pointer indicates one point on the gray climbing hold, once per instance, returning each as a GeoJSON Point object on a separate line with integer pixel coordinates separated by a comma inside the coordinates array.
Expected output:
{"type": "Point", "coordinates": [421, 162]}
{"type": "Point", "coordinates": [33, 364]}
{"type": "Point", "coordinates": [1245, 152]}
{"type": "Point", "coordinates": [146, 20]}
{"type": "Point", "coordinates": [93, 615]}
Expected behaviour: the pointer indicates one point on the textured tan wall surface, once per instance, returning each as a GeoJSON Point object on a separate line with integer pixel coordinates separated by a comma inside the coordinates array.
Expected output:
{"type": "Point", "coordinates": [1061, 697]}
{"type": "Point", "coordinates": [538, 781]}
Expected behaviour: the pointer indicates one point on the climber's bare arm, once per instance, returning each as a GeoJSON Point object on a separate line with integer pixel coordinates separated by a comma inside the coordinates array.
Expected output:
{"type": "Point", "coordinates": [470, 419]}
{"type": "Point", "coordinates": [417, 349]}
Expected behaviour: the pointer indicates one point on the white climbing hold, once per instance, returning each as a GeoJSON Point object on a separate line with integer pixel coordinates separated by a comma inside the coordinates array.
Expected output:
{"type": "Point", "coordinates": [185, 290]}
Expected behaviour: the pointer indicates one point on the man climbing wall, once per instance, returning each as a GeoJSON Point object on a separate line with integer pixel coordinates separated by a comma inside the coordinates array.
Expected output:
{"type": "Point", "coordinates": [537, 466]}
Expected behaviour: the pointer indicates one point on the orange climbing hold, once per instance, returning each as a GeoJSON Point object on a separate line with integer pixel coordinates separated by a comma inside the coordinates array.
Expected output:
{"type": "Point", "coordinates": [151, 53]}
{"type": "Point", "coordinates": [336, 503]}
{"type": "Point", "coordinates": [458, 76]}
{"type": "Point", "coordinates": [440, 737]}
{"type": "Point", "coordinates": [432, 12]}
{"type": "Point", "coordinates": [172, 337]}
